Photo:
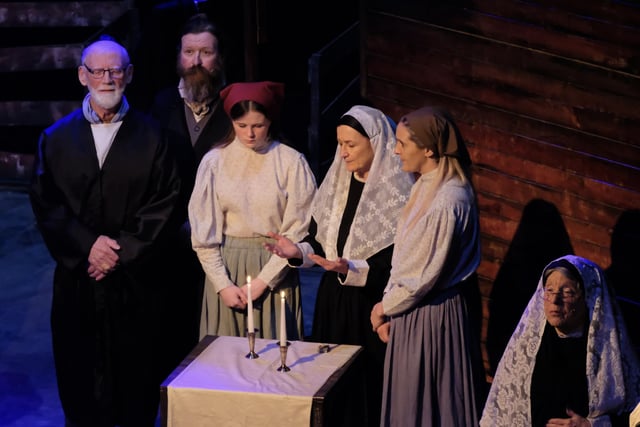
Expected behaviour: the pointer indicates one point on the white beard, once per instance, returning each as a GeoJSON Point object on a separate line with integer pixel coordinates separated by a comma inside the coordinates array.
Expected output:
{"type": "Point", "coordinates": [108, 100]}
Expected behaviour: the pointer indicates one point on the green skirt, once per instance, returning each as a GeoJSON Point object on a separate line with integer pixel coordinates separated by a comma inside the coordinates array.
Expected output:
{"type": "Point", "coordinates": [245, 257]}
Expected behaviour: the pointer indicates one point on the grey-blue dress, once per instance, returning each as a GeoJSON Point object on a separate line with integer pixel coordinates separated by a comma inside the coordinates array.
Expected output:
{"type": "Point", "coordinates": [433, 365]}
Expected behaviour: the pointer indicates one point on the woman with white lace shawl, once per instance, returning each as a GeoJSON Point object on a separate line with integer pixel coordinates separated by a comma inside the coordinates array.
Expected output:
{"type": "Point", "coordinates": [354, 216]}
{"type": "Point", "coordinates": [569, 358]}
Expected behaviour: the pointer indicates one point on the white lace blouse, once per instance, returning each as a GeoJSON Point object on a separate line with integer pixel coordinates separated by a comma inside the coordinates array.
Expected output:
{"type": "Point", "coordinates": [243, 193]}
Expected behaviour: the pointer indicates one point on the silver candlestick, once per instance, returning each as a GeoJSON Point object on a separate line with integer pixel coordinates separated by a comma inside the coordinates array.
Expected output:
{"type": "Point", "coordinates": [252, 344]}
{"type": "Point", "coordinates": [283, 359]}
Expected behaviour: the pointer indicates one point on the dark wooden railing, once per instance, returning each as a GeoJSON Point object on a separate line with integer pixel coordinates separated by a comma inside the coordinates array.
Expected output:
{"type": "Point", "coordinates": [334, 84]}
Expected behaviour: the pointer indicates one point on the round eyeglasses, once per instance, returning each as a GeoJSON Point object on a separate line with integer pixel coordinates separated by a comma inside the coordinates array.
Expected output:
{"type": "Point", "coordinates": [98, 73]}
{"type": "Point", "coordinates": [567, 295]}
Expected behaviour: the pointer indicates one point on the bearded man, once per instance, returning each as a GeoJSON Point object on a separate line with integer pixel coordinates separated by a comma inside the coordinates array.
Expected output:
{"type": "Point", "coordinates": [194, 117]}
{"type": "Point", "coordinates": [104, 193]}
{"type": "Point", "coordinates": [192, 110]}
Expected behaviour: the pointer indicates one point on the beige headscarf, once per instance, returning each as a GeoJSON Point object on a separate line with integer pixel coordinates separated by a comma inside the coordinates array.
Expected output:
{"type": "Point", "coordinates": [435, 127]}
{"type": "Point", "coordinates": [385, 193]}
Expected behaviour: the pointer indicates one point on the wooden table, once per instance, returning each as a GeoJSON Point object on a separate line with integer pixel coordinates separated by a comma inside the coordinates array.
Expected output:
{"type": "Point", "coordinates": [217, 385]}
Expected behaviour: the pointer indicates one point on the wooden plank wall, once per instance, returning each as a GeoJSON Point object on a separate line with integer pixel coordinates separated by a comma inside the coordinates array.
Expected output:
{"type": "Point", "coordinates": [546, 94]}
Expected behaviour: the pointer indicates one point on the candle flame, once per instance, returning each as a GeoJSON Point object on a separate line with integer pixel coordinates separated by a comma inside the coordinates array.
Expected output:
{"type": "Point", "coordinates": [282, 294]}
{"type": "Point", "coordinates": [248, 279]}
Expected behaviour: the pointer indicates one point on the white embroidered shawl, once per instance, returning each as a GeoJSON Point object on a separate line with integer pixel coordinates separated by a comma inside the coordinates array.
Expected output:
{"type": "Point", "coordinates": [385, 193]}
{"type": "Point", "coordinates": [613, 370]}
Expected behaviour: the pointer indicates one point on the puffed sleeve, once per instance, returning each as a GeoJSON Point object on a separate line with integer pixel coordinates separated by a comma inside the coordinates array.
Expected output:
{"type": "Point", "coordinates": [300, 189]}
{"type": "Point", "coordinates": [206, 219]}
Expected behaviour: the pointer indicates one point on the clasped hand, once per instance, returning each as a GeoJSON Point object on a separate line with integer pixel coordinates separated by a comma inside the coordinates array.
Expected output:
{"type": "Point", "coordinates": [574, 420]}
{"type": "Point", "coordinates": [380, 323]}
{"type": "Point", "coordinates": [103, 257]}
{"type": "Point", "coordinates": [236, 296]}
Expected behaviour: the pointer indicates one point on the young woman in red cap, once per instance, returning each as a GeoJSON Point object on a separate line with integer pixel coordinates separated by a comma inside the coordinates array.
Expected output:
{"type": "Point", "coordinates": [245, 188]}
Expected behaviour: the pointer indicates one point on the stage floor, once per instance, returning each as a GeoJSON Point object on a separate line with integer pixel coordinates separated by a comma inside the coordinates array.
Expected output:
{"type": "Point", "coordinates": [28, 393]}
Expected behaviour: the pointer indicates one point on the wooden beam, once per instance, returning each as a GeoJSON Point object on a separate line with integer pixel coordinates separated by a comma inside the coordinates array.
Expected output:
{"type": "Point", "coordinates": [28, 58]}
{"type": "Point", "coordinates": [35, 113]}
{"type": "Point", "coordinates": [61, 14]}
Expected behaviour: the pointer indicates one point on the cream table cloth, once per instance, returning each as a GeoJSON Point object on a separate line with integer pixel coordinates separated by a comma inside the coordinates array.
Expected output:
{"type": "Point", "coordinates": [221, 387]}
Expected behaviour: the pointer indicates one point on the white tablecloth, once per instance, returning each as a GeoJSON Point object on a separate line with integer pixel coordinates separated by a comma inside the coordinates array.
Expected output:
{"type": "Point", "coordinates": [221, 387]}
{"type": "Point", "coordinates": [634, 418]}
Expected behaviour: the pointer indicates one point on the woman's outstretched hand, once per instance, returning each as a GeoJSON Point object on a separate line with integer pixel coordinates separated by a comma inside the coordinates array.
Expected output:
{"type": "Point", "coordinates": [283, 247]}
{"type": "Point", "coordinates": [574, 420]}
{"type": "Point", "coordinates": [340, 265]}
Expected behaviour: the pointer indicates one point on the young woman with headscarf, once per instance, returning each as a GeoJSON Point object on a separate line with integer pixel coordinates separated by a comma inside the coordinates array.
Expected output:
{"type": "Point", "coordinates": [429, 311]}
{"type": "Point", "coordinates": [251, 185]}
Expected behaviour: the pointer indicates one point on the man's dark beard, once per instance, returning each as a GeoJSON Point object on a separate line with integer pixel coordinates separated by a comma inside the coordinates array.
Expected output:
{"type": "Point", "coordinates": [200, 85]}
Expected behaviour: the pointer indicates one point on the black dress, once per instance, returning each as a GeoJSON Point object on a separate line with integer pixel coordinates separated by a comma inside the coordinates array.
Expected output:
{"type": "Point", "coordinates": [559, 378]}
{"type": "Point", "coordinates": [342, 313]}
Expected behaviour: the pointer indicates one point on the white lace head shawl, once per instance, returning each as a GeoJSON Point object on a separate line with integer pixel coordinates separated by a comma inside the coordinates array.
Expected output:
{"type": "Point", "coordinates": [613, 370]}
{"type": "Point", "coordinates": [384, 194]}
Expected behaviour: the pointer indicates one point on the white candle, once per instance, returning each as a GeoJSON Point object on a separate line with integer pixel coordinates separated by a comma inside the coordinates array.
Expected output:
{"type": "Point", "coordinates": [283, 321]}
{"type": "Point", "coordinates": [250, 326]}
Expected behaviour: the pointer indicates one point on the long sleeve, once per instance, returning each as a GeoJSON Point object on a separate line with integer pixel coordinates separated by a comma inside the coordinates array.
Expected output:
{"type": "Point", "coordinates": [206, 219]}
{"type": "Point", "coordinates": [358, 268]}
{"type": "Point", "coordinates": [241, 193]}
{"type": "Point", "coordinates": [308, 246]}
{"type": "Point", "coordinates": [131, 199]}
{"type": "Point", "coordinates": [441, 250]}
{"type": "Point", "coordinates": [68, 239]}
{"type": "Point", "coordinates": [156, 198]}
{"type": "Point", "coordinates": [300, 188]}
